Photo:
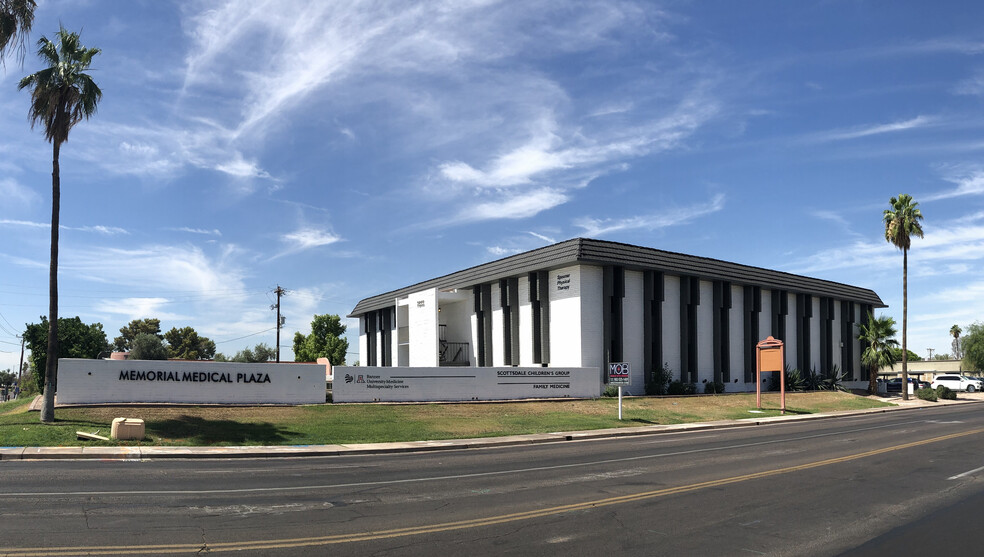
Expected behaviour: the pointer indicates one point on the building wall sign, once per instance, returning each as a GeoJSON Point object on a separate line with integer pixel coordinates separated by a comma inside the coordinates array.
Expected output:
{"type": "Point", "coordinates": [125, 381]}
{"type": "Point", "coordinates": [415, 384]}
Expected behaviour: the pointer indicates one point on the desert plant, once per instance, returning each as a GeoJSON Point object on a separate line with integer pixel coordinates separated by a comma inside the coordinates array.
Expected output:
{"type": "Point", "coordinates": [713, 387]}
{"type": "Point", "coordinates": [946, 393]}
{"type": "Point", "coordinates": [681, 388]}
{"type": "Point", "coordinates": [660, 380]}
{"type": "Point", "coordinates": [926, 394]}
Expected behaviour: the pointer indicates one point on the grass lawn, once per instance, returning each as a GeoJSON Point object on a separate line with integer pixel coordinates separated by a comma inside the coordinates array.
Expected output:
{"type": "Point", "coordinates": [375, 423]}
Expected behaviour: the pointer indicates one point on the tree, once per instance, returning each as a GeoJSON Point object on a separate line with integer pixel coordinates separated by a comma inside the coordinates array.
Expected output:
{"type": "Point", "coordinates": [901, 224]}
{"type": "Point", "coordinates": [878, 336]}
{"type": "Point", "coordinates": [910, 355]}
{"type": "Point", "coordinates": [325, 341]}
{"type": "Point", "coordinates": [16, 18]}
{"type": "Point", "coordinates": [955, 345]}
{"type": "Point", "coordinates": [7, 377]}
{"type": "Point", "coordinates": [147, 347]}
{"type": "Point", "coordinates": [75, 340]}
{"type": "Point", "coordinates": [973, 348]}
{"type": "Point", "coordinates": [62, 95]}
{"type": "Point", "coordinates": [124, 342]}
{"type": "Point", "coordinates": [185, 344]}
{"type": "Point", "coordinates": [259, 353]}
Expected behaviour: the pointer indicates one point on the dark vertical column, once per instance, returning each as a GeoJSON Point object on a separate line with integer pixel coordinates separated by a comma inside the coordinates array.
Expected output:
{"type": "Point", "coordinates": [486, 338]}
{"type": "Point", "coordinates": [514, 320]}
{"type": "Point", "coordinates": [506, 322]}
{"type": "Point", "coordinates": [652, 322]}
{"type": "Point", "coordinates": [386, 330]}
{"type": "Point", "coordinates": [751, 308]}
{"type": "Point", "coordinates": [848, 340]}
{"type": "Point", "coordinates": [614, 291]}
{"type": "Point", "coordinates": [479, 326]}
{"type": "Point", "coordinates": [689, 300]}
{"type": "Point", "coordinates": [543, 296]}
{"type": "Point", "coordinates": [535, 310]}
{"type": "Point", "coordinates": [826, 336]}
{"type": "Point", "coordinates": [607, 288]}
{"type": "Point", "coordinates": [804, 312]}
{"type": "Point", "coordinates": [540, 302]}
{"type": "Point", "coordinates": [371, 338]}
{"type": "Point", "coordinates": [721, 324]}
{"type": "Point", "coordinates": [780, 307]}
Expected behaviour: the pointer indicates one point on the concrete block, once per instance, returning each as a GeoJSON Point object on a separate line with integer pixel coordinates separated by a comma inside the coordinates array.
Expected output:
{"type": "Point", "coordinates": [127, 429]}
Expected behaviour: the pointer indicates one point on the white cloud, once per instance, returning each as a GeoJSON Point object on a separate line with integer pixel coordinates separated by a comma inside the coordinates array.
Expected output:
{"type": "Point", "coordinates": [940, 244]}
{"type": "Point", "coordinates": [877, 129]}
{"type": "Point", "coordinates": [202, 231]}
{"type": "Point", "coordinates": [968, 179]}
{"type": "Point", "coordinates": [98, 229]}
{"type": "Point", "coordinates": [512, 206]}
{"type": "Point", "coordinates": [307, 238]}
{"type": "Point", "coordinates": [14, 193]}
{"type": "Point", "coordinates": [600, 227]}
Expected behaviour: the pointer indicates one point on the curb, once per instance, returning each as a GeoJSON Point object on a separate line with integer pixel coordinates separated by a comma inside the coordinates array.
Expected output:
{"type": "Point", "coordinates": [278, 451]}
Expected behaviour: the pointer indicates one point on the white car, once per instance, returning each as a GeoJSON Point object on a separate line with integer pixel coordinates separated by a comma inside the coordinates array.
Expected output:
{"type": "Point", "coordinates": [959, 382]}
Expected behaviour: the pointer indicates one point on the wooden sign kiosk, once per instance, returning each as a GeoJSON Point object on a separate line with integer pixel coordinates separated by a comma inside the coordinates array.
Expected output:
{"type": "Point", "coordinates": [770, 355]}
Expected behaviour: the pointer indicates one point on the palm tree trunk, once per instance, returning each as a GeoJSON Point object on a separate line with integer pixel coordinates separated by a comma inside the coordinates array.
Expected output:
{"type": "Point", "coordinates": [51, 365]}
{"type": "Point", "coordinates": [905, 315]}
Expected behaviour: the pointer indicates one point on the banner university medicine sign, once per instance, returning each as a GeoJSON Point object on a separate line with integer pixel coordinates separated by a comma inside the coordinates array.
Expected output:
{"type": "Point", "coordinates": [418, 384]}
{"type": "Point", "coordinates": [108, 381]}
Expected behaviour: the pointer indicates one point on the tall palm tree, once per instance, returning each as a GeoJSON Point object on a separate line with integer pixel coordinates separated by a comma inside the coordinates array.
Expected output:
{"type": "Point", "coordinates": [901, 224]}
{"type": "Point", "coordinates": [955, 331]}
{"type": "Point", "coordinates": [62, 95]}
{"type": "Point", "coordinates": [16, 18]}
{"type": "Point", "coordinates": [878, 336]}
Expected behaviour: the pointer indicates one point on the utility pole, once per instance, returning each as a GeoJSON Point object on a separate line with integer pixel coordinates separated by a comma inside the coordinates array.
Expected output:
{"type": "Point", "coordinates": [20, 367]}
{"type": "Point", "coordinates": [279, 292]}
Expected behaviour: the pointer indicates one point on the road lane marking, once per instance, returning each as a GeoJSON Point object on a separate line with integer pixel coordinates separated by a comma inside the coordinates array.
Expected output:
{"type": "Point", "coordinates": [460, 524]}
{"type": "Point", "coordinates": [967, 473]}
{"type": "Point", "coordinates": [142, 493]}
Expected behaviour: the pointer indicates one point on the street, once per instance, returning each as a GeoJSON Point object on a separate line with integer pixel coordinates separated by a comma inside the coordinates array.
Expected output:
{"type": "Point", "coordinates": [818, 487]}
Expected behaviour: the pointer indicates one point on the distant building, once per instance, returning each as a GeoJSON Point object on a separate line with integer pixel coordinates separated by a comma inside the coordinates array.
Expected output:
{"type": "Point", "coordinates": [586, 303]}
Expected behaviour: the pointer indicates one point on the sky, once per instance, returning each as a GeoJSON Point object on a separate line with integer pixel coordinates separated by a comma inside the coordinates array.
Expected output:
{"type": "Point", "coordinates": [344, 149]}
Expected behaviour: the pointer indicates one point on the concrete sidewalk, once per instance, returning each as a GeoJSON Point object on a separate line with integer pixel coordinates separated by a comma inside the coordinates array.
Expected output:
{"type": "Point", "coordinates": [145, 453]}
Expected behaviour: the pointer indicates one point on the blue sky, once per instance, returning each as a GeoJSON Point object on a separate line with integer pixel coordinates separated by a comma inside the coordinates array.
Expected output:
{"type": "Point", "coordinates": [344, 149]}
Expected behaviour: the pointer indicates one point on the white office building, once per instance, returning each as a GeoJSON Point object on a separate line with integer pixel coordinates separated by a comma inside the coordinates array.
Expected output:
{"type": "Point", "coordinates": [586, 303]}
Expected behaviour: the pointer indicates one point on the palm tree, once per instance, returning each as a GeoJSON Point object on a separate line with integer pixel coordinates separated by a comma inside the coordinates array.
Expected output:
{"type": "Point", "coordinates": [61, 96]}
{"type": "Point", "coordinates": [901, 223]}
{"type": "Point", "coordinates": [878, 336]}
{"type": "Point", "coordinates": [955, 331]}
{"type": "Point", "coordinates": [16, 18]}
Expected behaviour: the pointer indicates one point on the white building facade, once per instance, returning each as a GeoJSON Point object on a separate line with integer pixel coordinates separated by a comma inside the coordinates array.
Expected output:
{"type": "Point", "coordinates": [586, 303]}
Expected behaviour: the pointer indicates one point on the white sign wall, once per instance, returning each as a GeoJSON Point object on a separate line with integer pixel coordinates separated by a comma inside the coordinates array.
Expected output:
{"type": "Point", "coordinates": [419, 384]}
{"type": "Point", "coordinates": [110, 381]}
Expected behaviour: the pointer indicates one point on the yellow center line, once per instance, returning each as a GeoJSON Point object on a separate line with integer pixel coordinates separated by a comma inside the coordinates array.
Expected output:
{"type": "Point", "coordinates": [461, 524]}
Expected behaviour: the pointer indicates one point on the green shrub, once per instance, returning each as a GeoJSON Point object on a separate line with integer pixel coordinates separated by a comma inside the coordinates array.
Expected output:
{"type": "Point", "coordinates": [660, 380]}
{"type": "Point", "coordinates": [945, 393]}
{"type": "Point", "coordinates": [610, 390]}
{"type": "Point", "coordinates": [927, 394]}
{"type": "Point", "coordinates": [681, 388]}
{"type": "Point", "coordinates": [713, 387]}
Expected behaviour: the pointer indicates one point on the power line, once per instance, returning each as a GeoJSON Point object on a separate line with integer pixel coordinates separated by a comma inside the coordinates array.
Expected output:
{"type": "Point", "coordinates": [246, 336]}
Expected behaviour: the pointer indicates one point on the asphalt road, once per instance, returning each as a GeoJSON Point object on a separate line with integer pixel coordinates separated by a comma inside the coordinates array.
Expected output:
{"type": "Point", "coordinates": [823, 487]}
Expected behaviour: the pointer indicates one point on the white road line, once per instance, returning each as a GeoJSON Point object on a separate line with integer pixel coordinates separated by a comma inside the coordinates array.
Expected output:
{"type": "Point", "coordinates": [286, 489]}
{"type": "Point", "coordinates": [967, 473]}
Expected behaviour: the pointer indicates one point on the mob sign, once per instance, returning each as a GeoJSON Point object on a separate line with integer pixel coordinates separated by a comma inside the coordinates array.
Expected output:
{"type": "Point", "coordinates": [618, 373]}
{"type": "Point", "coordinates": [112, 381]}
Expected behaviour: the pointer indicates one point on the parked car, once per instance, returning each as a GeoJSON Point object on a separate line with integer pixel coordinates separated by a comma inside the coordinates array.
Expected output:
{"type": "Point", "coordinates": [895, 385]}
{"type": "Point", "coordinates": [959, 382]}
